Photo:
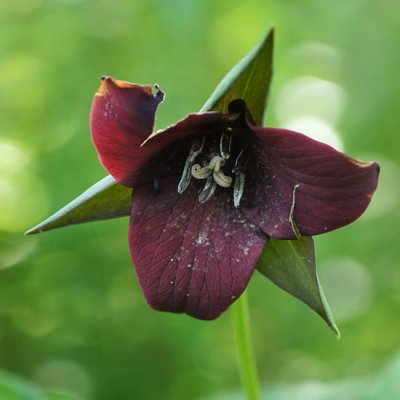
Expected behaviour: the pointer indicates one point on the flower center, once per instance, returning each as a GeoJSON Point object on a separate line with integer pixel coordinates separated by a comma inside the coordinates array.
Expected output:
{"type": "Point", "coordinates": [209, 167]}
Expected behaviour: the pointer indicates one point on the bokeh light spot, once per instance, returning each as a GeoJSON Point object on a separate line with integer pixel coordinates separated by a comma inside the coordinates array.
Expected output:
{"type": "Point", "coordinates": [13, 254]}
{"type": "Point", "coordinates": [310, 95]}
{"type": "Point", "coordinates": [317, 129]}
{"type": "Point", "coordinates": [64, 376]}
{"type": "Point", "coordinates": [317, 58]}
{"type": "Point", "coordinates": [348, 286]}
{"type": "Point", "coordinates": [23, 197]}
{"type": "Point", "coordinates": [387, 196]}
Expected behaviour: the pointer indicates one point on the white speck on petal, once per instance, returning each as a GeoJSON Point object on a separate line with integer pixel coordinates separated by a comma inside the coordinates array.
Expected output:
{"type": "Point", "coordinates": [202, 239]}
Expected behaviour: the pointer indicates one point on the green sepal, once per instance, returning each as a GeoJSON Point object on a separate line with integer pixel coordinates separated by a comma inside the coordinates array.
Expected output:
{"type": "Point", "coordinates": [249, 80]}
{"type": "Point", "coordinates": [290, 264]}
{"type": "Point", "coordinates": [104, 200]}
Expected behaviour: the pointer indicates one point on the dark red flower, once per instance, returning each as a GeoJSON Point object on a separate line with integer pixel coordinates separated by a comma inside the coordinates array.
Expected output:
{"type": "Point", "coordinates": [210, 190]}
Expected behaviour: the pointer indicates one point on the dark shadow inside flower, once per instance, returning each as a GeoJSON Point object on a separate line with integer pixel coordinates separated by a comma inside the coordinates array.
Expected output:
{"type": "Point", "coordinates": [211, 189]}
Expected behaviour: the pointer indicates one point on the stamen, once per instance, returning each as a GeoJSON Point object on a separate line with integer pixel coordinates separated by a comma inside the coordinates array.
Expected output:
{"type": "Point", "coordinates": [196, 149]}
{"type": "Point", "coordinates": [201, 173]}
{"type": "Point", "coordinates": [240, 178]}
{"type": "Point", "coordinates": [238, 188]}
{"type": "Point", "coordinates": [240, 163]}
{"type": "Point", "coordinates": [186, 176]}
{"type": "Point", "coordinates": [221, 179]}
{"type": "Point", "coordinates": [224, 147]}
{"type": "Point", "coordinates": [208, 190]}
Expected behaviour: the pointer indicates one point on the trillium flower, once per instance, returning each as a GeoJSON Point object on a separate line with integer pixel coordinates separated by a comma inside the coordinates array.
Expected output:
{"type": "Point", "coordinates": [209, 191]}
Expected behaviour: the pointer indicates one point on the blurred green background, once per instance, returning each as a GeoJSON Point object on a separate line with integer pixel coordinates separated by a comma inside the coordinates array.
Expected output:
{"type": "Point", "coordinates": [72, 317]}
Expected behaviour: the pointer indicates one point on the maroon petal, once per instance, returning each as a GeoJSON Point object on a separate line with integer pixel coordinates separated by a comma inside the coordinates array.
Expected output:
{"type": "Point", "coordinates": [122, 119]}
{"type": "Point", "coordinates": [322, 188]}
{"type": "Point", "coordinates": [191, 257]}
{"type": "Point", "coordinates": [122, 116]}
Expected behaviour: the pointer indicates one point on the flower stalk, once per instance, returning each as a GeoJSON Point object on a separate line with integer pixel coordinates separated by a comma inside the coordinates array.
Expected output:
{"type": "Point", "coordinates": [244, 349]}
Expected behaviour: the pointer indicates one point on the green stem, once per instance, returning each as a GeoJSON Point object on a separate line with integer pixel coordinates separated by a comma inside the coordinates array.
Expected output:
{"type": "Point", "coordinates": [245, 357]}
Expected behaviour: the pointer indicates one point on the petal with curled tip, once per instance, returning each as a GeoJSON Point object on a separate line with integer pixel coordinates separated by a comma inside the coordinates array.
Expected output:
{"type": "Point", "coordinates": [122, 116]}
{"type": "Point", "coordinates": [294, 175]}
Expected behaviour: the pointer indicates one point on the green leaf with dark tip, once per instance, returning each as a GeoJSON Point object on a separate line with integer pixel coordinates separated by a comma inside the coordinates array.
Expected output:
{"type": "Point", "coordinates": [249, 80]}
{"type": "Point", "coordinates": [290, 264]}
{"type": "Point", "coordinates": [104, 200]}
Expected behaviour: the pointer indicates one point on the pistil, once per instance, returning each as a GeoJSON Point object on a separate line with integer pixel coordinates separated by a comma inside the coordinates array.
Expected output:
{"type": "Point", "coordinates": [211, 170]}
{"type": "Point", "coordinates": [214, 168]}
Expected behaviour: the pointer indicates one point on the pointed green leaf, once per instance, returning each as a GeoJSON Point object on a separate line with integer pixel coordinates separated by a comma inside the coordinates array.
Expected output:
{"type": "Point", "coordinates": [249, 80]}
{"type": "Point", "coordinates": [106, 199]}
{"type": "Point", "coordinates": [290, 264]}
